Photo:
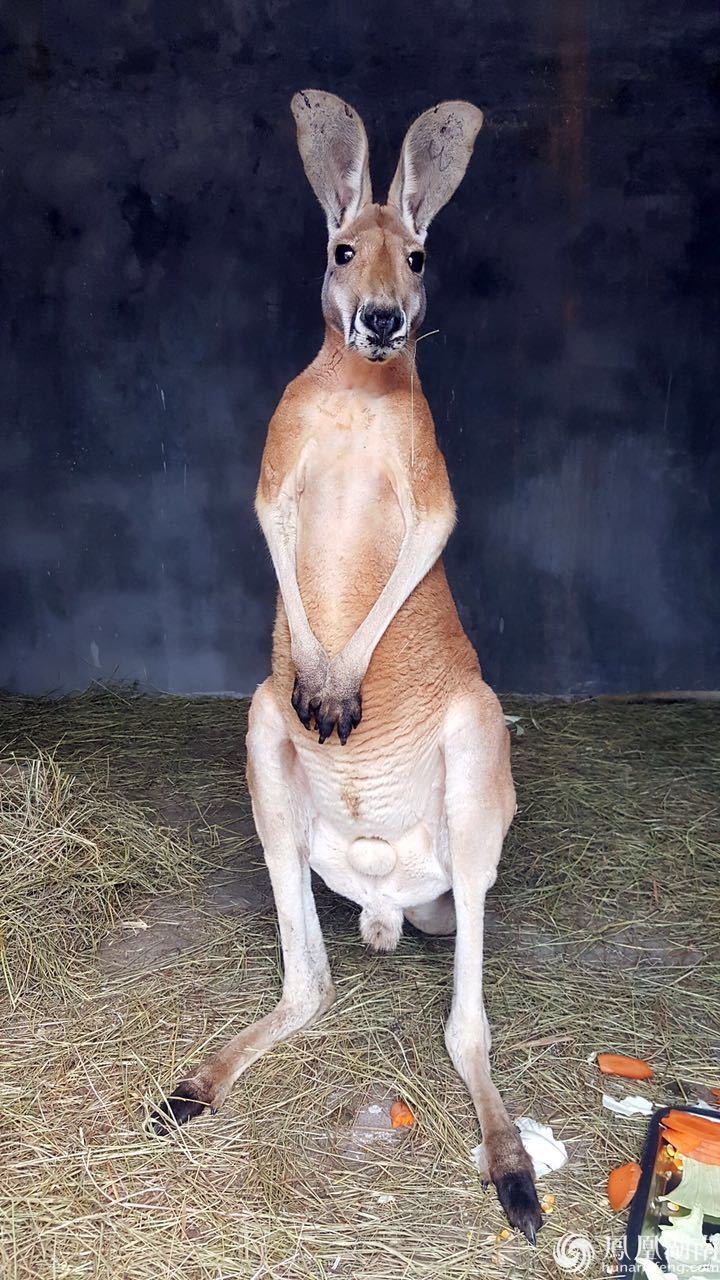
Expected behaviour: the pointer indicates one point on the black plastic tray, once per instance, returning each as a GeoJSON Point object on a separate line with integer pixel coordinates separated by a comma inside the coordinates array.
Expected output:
{"type": "Point", "coordinates": [640, 1208]}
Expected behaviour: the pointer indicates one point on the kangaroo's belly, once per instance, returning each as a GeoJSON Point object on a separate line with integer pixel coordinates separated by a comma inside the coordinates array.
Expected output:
{"type": "Point", "coordinates": [377, 831]}
{"type": "Point", "coordinates": [383, 783]}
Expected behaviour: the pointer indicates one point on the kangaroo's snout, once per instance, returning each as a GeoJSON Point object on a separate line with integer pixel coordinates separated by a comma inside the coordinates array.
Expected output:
{"type": "Point", "coordinates": [379, 330]}
{"type": "Point", "coordinates": [383, 322]}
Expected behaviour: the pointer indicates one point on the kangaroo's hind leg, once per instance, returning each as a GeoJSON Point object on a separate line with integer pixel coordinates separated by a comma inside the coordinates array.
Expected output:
{"type": "Point", "coordinates": [278, 809]}
{"type": "Point", "coordinates": [480, 803]}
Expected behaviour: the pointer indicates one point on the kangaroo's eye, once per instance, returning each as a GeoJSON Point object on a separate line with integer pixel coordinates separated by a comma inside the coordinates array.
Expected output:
{"type": "Point", "coordinates": [343, 254]}
{"type": "Point", "coordinates": [416, 261]}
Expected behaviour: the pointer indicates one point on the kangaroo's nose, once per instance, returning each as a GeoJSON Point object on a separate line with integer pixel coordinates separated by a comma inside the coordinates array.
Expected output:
{"type": "Point", "coordinates": [383, 322]}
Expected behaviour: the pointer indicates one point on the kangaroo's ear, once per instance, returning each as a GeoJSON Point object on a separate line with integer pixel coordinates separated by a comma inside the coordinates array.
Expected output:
{"type": "Point", "coordinates": [334, 149]}
{"type": "Point", "coordinates": [433, 160]}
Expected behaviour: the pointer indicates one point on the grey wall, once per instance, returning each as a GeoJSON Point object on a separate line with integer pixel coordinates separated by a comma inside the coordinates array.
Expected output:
{"type": "Point", "coordinates": [160, 264]}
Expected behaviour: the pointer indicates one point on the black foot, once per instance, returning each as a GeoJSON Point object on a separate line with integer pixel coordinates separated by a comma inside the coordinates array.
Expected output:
{"type": "Point", "coordinates": [181, 1105]}
{"type": "Point", "coordinates": [518, 1197]}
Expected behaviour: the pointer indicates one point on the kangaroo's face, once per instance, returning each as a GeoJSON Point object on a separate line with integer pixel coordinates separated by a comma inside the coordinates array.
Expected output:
{"type": "Point", "coordinates": [373, 293]}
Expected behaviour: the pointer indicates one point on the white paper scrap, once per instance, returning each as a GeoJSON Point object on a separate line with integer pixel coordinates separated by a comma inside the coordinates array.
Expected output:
{"type": "Point", "coordinates": [632, 1105]}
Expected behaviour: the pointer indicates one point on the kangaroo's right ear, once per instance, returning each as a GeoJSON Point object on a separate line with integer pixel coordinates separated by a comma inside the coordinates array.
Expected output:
{"type": "Point", "coordinates": [334, 149]}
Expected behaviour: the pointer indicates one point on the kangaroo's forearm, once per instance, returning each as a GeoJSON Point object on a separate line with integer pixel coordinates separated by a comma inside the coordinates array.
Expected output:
{"type": "Point", "coordinates": [278, 521]}
{"type": "Point", "coordinates": [424, 541]}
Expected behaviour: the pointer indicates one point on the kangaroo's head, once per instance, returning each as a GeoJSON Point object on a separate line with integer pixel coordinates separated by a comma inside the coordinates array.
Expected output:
{"type": "Point", "coordinates": [373, 292]}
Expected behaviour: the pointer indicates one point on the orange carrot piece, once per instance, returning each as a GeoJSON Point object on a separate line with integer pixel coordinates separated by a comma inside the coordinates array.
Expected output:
{"type": "Point", "coordinates": [694, 1136]}
{"type": "Point", "coordinates": [622, 1185]}
{"type": "Point", "coordinates": [401, 1117]}
{"type": "Point", "coordinates": [716, 1095]}
{"type": "Point", "coordinates": [617, 1064]}
{"type": "Point", "coordinates": [688, 1120]}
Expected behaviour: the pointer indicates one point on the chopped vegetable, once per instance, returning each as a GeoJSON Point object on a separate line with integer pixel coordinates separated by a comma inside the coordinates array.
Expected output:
{"type": "Point", "coordinates": [698, 1186]}
{"type": "Point", "coordinates": [684, 1238]}
{"type": "Point", "coordinates": [617, 1064]}
{"type": "Point", "coordinates": [401, 1117]}
{"type": "Point", "coordinates": [691, 1135]}
{"type": "Point", "coordinates": [622, 1185]}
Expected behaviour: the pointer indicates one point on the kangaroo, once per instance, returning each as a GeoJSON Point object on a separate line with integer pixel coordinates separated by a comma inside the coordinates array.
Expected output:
{"type": "Point", "coordinates": [376, 754]}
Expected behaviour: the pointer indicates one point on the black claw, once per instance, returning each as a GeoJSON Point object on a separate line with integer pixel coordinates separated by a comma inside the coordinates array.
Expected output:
{"type": "Point", "coordinates": [179, 1107]}
{"type": "Point", "coordinates": [300, 705]}
{"type": "Point", "coordinates": [344, 728]}
{"type": "Point", "coordinates": [348, 719]}
{"type": "Point", "coordinates": [518, 1197]}
{"type": "Point", "coordinates": [325, 725]}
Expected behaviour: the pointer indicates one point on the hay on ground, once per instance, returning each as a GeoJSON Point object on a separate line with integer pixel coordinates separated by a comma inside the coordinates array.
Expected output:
{"type": "Point", "coordinates": [602, 933]}
{"type": "Point", "coordinates": [71, 856]}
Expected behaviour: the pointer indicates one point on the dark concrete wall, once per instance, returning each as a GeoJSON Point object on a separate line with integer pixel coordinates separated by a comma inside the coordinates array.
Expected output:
{"type": "Point", "coordinates": [161, 257]}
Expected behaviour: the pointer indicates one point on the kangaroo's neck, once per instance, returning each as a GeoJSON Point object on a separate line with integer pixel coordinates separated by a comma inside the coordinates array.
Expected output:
{"type": "Point", "coordinates": [344, 370]}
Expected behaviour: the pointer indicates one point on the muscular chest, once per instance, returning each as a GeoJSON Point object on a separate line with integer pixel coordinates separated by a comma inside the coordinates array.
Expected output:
{"type": "Point", "coordinates": [350, 525]}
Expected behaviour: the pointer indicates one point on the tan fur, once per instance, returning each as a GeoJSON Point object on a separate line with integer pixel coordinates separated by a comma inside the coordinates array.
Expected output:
{"type": "Point", "coordinates": [351, 526]}
{"type": "Point", "coordinates": [376, 754]}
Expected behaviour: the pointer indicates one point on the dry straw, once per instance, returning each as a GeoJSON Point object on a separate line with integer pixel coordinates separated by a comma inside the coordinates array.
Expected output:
{"type": "Point", "coordinates": [70, 852]}
{"type": "Point", "coordinates": [602, 933]}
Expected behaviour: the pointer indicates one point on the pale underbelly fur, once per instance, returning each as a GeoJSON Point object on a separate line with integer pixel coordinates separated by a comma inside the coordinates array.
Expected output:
{"type": "Point", "coordinates": [381, 875]}
{"type": "Point", "coordinates": [378, 835]}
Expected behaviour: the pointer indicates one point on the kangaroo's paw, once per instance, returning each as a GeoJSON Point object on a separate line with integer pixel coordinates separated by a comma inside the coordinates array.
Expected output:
{"type": "Point", "coordinates": [343, 713]}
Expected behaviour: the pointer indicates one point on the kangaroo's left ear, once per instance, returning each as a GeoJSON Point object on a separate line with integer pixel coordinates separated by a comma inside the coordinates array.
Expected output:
{"type": "Point", "coordinates": [432, 163]}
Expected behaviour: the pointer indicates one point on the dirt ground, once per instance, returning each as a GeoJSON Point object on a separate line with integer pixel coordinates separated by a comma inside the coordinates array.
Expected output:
{"type": "Point", "coordinates": [603, 933]}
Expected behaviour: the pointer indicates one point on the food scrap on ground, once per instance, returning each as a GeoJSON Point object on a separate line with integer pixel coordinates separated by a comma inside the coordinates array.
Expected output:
{"type": "Point", "coordinates": [617, 1064]}
{"type": "Point", "coordinates": [401, 1117]}
{"type": "Point", "coordinates": [622, 1185]}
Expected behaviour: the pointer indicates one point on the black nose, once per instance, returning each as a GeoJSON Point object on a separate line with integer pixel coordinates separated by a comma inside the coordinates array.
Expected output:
{"type": "Point", "coordinates": [383, 322]}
